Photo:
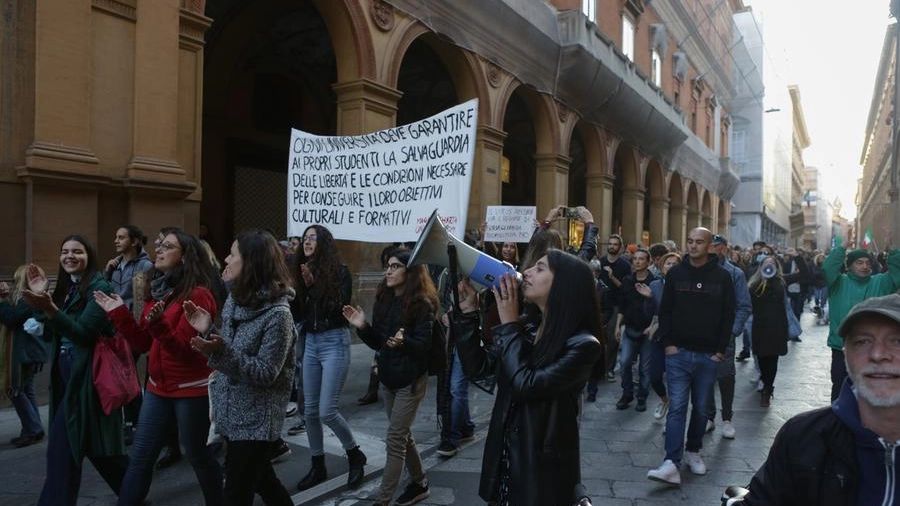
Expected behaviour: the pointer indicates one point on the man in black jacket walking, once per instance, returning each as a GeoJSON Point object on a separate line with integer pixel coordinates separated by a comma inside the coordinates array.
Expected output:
{"type": "Point", "coordinates": [847, 453]}
{"type": "Point", "coordinates": [695, 320]}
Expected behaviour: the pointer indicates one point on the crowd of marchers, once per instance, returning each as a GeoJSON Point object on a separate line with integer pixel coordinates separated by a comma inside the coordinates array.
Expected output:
{"type": "Point", "coordinates": [234, 351]}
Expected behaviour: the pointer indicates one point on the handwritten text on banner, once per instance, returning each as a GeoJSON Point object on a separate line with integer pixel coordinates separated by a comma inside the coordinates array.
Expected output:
{"type": "Point", "coordinates": [509, 223]}
{"type": "Point", "coordinates": [383, 186]}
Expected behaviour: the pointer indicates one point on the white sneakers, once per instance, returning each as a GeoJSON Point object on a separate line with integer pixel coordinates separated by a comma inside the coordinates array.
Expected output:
{"type": "Point", "coordinates": [727, 429]}
{"type": "Point", "coordinates": [666, 473]}
{"type": "Point", "coordinates": [661, 409]}
{"type": "Point", "coordinates": [710, 426]}
{"type": "Point", "coordinates": [695, 462]}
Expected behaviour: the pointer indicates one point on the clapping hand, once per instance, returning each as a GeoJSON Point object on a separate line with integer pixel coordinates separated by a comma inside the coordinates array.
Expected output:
{"type": "Point", "coordinates": [308, 278]}
{"type": "Point", "coordinates": [395, 340]}
{"type": "Point", "coordinates": [643, 289]}
{"type": "Point", "coordinates": [197, 317]}
{"type": "Point", "coordinates": [355, 316]}
{"type": "Point", "coordinates": [108, 302]}
{"type": "Point", "coordinates": [37, 281]}
{"type": "Point", "coordinates": [156, 311]}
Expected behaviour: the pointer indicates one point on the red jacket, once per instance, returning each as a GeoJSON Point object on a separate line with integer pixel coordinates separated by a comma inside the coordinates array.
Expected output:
{"type": "Point", "coordinates": [173, 368]}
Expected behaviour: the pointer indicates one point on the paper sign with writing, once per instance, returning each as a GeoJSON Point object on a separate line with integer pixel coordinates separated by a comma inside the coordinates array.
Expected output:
{"type": "Point", "coordinates": [383, 186]}
{"type": "Point", "coordinates": [509, 223]}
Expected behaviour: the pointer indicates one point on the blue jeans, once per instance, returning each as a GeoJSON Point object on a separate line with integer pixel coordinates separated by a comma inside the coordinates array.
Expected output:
{"type": "Point", "coordinates": [460, 419]}
{"type": "Point", "coordinates": [632, 343]}
{"type": "Point", "coordinates": [690, 376]}
{"type": "Point", "coordinates": [192, 417]}
{"type": "Point", "coordinates": [657, 368]}
{"type": "Point", "coordinates": [326, 363]}
{"type": "Point", "coordinates": [747, 337]}
{"type": "Point", "coordinates": [24, 402]}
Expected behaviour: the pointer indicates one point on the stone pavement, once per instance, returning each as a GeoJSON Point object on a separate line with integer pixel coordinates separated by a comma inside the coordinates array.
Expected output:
{"type": "Point", "coordinates": [618, 447]}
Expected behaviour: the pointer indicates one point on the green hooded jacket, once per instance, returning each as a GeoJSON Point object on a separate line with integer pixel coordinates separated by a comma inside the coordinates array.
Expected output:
{"type": "Point", "coordinates": [90, 431]}
{"type": "Point", "coordinates": [845, 290]}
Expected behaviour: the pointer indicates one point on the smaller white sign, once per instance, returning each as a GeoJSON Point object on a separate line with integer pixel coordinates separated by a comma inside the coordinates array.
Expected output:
{"type": "Point", "coordinates": [509, 223]}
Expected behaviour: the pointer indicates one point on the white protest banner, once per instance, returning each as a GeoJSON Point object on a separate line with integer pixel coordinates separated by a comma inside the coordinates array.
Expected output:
{"type": "Point", "coordinates": [383, 186]}
{"type": "Point", "coordinates": [509, 223]}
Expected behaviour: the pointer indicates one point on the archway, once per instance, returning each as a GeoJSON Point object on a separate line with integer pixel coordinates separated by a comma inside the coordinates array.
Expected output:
{"type": "Point", "coordinates": [269, 67]}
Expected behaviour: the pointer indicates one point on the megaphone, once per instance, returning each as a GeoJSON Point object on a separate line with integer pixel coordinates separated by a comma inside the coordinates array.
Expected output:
{"type": "Point", "coordinates": [431, 248]}
{"type": "Point", "coordinates": [767, 270]}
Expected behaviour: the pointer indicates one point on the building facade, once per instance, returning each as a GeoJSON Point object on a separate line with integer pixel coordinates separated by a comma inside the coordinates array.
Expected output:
{"type": "Point", "coordinates": [878, 210]}
{"type": "Point", "coordinates": [178, 112]}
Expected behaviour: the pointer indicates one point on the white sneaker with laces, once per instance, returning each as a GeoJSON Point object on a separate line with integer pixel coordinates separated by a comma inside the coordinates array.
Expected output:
{"type": "Point", "coordinates": [727, 429]}
{"type": "Point", "coordinates": [695, 462]}
{"type": "Point", "coordinates": [710, 426]}
{"type": "Point", "coordinates": [666, 473]}
{"type": "Point", "coordinates": [661, 409]}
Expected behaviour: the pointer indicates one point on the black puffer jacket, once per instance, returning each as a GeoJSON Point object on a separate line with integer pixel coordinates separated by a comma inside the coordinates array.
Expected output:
{"type": "Point", "coordinates": [400, 366]}
{"type": "Point", "coordinates": [535, 413]}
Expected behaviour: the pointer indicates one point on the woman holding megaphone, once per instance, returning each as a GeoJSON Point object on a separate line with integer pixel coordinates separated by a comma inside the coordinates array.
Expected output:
{"type": "Point", "coordinates": [770, 322]}
{"type": "Point", "coordinates": [541, 363]}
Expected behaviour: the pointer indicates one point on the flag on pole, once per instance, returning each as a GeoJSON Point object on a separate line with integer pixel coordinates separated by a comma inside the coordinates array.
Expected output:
{"type": "Point", "coordinates": [867, 239]}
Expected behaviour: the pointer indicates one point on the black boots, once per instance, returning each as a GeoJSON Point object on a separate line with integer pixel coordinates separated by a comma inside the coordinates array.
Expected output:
{"type": "Point", "coordinates": [766, 398]}
{"type": "Point", "coordinates": [357, 460]}
{"type": "Point", "coordinates": [317, 474]}
{"type": "Point", "coordinates": [372, 393]}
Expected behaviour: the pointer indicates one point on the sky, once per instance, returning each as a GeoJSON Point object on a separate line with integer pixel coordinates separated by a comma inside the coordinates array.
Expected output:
{"type": "Point", "coordinates": [830, 49]}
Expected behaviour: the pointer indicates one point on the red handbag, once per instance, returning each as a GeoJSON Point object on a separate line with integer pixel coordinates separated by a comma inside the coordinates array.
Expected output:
{"type": "Point", "coordinates": [115, 376]}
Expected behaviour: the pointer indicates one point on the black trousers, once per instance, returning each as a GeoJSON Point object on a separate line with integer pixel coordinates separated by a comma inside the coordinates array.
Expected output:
{"type": "Point", "coordinates": [248, 471]}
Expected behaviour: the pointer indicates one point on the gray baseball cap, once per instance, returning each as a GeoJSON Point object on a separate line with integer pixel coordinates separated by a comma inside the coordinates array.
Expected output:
{"type": "Point", "coordinates": [887, 305]}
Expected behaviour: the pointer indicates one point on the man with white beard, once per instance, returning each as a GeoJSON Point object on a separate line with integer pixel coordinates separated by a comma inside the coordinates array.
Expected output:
{"type": "Point", "coordinates": [847, 453]}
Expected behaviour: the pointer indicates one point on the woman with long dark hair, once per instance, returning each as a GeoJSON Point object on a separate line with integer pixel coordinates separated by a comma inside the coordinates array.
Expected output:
{"type": "Point", "coordinates": [177, 375]}
{"type": "Point", "coordinates": [531, 455]}
{"type": "Point", "coordinates": [254, 352]}
{"type": "Point", "coordinates": [323, 288]}
{"type": "Point", "coordinates": [73, 322]}
{"type": "Point", "coordinates": [405, 306]}
{"type": "Point", "coordinates": [770, 323]}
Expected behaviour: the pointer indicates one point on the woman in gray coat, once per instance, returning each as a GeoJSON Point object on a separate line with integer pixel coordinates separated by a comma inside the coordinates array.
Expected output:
{"type": "Point", "coordinates": [253, 353]}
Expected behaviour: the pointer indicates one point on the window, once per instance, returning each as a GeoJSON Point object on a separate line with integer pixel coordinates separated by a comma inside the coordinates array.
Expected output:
{"type": "Point", "coordinates": [628, 37]}
{"type": "Point", "coordinates": [656, 68]}
{"type": "Point", "coordinates": [738, 146]}
{"type": "Point", "coordinates": [589, 8]}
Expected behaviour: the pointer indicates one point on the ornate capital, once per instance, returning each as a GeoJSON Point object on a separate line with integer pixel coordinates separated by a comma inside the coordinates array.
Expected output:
{"type": "Point", "coordinates": [494, 73]}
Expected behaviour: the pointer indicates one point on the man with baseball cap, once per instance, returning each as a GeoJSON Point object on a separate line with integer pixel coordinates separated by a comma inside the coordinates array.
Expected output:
{"type": "Point", "coordinates": [847, 453]}
{"type": "Point", "coordinates": [846, 289]}
{"type": "Point", "coordinates": [725, 370]}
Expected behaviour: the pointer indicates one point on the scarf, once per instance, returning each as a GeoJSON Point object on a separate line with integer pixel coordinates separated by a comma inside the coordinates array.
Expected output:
{"type": "Point", "coordinates": [161, 287]}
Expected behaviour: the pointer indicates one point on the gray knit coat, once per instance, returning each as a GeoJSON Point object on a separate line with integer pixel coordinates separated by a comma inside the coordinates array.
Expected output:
{"type": "Point", "coordinates": [255, 371]}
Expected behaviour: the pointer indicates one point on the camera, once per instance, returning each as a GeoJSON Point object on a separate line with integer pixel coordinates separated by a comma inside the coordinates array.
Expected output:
{"type": "Point", "coordinates": [570, 212]}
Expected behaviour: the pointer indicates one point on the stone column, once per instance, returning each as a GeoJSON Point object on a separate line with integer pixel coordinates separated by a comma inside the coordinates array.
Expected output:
{"type": "Point", "coordinates": [486, 187]}
{"type": "Point", "coordinates": [364, 105]}
{"type": "Point", "coordinates": [62, 94]}
{"type": "Point", "coordinates": [600, 202]}
{"type": "Point", "coordinates": [678, 224]}
{"type": "Point", "coordinates": [551, 182]}
{"type": "Point", "coordinates": [632, 214]}
{"type": "Point", "coordinates": [659, 219]}
{"type": "Point", "coordinates": [156, 94]}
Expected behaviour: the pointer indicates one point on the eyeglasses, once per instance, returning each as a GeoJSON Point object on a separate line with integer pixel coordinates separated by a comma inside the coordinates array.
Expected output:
{"type": "Point", "coordinates": [394, 267]}
{"type": "Point", "coordinates": [311, 238]}
{"type": "Point", "coordinates": [165, 246]}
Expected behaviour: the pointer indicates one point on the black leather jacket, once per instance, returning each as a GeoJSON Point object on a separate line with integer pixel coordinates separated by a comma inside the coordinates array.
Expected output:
{"type": "Point", "coordinates": [316, 316]}
{"type": "Point", "coordinates": [812, 462]}
{"type": "Point", "coordinates": [535, 413]}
